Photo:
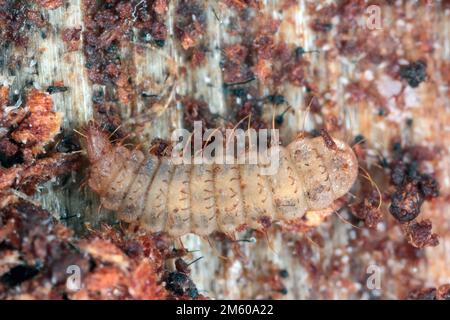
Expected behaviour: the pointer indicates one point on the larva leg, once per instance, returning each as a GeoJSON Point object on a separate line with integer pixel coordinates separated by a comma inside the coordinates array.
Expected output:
{"type": "Point", "coordinates": [155, 207]}
{"type": "Point", "coordinates": [257, 196]}
{"type": "Point", "coordinates": [288, 194]}
{"type": "Point", "coordinates": [230, 213]}
{"type": "Point", "coordinates": [119, 185]}
{"type": "Point", "coordinates": [133, 203]}
{"type": "Point", "coordinates": [203, 203]}
{"type": "Point", "coordinates": [313, 171]}
{"type": "Point", "coordinates": [178, 202]}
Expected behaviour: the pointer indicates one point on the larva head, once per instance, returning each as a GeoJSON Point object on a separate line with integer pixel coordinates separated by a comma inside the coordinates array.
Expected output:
{"type": "Point", "coordinates": [97, 142]}
{"type": "Point", "coordinates": [328, 168]}
{"type": "Point", "coordinates": [342, 167]}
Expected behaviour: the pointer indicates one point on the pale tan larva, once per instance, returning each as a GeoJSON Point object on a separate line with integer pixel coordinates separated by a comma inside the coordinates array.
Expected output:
{"type": "Point", "coordinates": [203, 198]}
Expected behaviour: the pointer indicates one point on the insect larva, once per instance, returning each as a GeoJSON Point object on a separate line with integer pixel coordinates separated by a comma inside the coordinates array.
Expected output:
{"type": "Point", "coordinates": [202, 198]}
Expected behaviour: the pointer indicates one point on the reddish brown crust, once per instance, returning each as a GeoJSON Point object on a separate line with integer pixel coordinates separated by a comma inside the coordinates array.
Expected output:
{"type": "Point", "coordinates": [16, 18]}
{"type": "Point", "coordinates": [439, 293]}
{"type": "Point", "coordinates": [243, 4]}
{"type": "Point", "coordinates": [41, 125]}
{"type": "Point", "coordinates": [50, 4]}
{"type": "Point", "coordinates": [72, 36]}
{"type": "Point", "coordinates": [28, 177]}
{"type": "Point", "coordinates": [113, 265]}
{"type": "Point", "coordinates": [191, 23]}
{"type": "Point", "coordinates": [261, 54]}
{"type": "Point", "coordinates": [4, 91]}
{"type": "Point", "coordinates": [369, 211]}
{"type": "Point", "coordinates": [108, 28]}
{"type": "Point", "coordinates": [419, 234]}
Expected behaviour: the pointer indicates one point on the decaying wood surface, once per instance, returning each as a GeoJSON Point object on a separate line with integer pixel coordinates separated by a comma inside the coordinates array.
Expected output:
{"type": "Point", "coordinates": [343, 261]}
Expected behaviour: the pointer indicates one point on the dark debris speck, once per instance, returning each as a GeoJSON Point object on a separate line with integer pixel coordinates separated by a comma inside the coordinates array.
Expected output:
{"type": "Point", "coordinates": [19, 274]}
{"type": "Point", "coordinates": [284, 273]}
{"type": "Point", "coordinates": [56, 89]}
{"type": "Point", "coordinates": [180, 284]}
{"type": "Point", "coordinates": [414, 73]}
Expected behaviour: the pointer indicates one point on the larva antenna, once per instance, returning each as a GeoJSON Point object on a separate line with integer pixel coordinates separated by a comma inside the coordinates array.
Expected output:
{"type": "Point", "coordinates": [377, 165]}
{"type": "Point", "coordinates": [210, 136]}
{"type": "Point", "coordinates": [188, 144]}
{"type": "Point", "coordinates": [80, 133]}
{"type": "Point", "coordinates": [169, 100]}
{"type": "Point", "coordinates": [78, 151]}
{"type": "Point", "coordinates": [234, 129]}
{"type": "Point", "coordinates": [248, 146]}
{"type": "Point", "coordinates": [196, 153]}
{"type": "Point", "coordinates": [346, 221]}
{"type": "Point", "coordinates": [372, 182]}
{"type": "Point", "coordinates": [103, 127]}
{"type": "Point", "coordinates": [115, 130]}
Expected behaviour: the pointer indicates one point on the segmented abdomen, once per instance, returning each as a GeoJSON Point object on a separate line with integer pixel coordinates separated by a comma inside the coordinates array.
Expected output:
{"type": "Point", "coordinates": [202, 198]}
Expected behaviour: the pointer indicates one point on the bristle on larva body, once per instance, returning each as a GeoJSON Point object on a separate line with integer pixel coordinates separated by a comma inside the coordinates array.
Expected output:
{"type": "Point", "coordinates": [203, 198]}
